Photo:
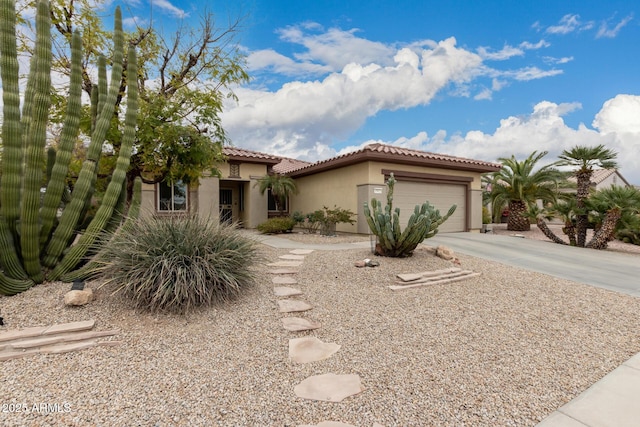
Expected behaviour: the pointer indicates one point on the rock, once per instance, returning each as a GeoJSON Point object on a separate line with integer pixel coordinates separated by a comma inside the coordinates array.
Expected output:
{"type": "Point", "coordinates": [283, 280]}
{"type": "Point", "coordinates": [329, 387]}
{"type": "Point", "coordinates": [77, 297]}
{"type": "Point", "coordinates": [445, 253]}
{"type": "Point", "coordinates": [296, 324]}
{"type": "Point", "coordinates": [310, 349]}
{"type": "Point", "coordinates": [285, 291]}
{"type": "Point", "coordinates": [360, 263]}
{"type": "Point", "coordinates": [371, 263]}
{"type": "Point", "coordinates": [291, 306]}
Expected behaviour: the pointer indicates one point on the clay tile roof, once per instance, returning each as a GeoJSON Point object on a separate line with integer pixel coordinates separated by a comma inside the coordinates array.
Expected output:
{"type": "Point", "coordinates": [287, 165]}
{"type": "Point", "coordinates": [393, 154]}
{"type": "Point", "coordinates": [240, 154]}
{"type": "Point", "coordinates": [599, 175]}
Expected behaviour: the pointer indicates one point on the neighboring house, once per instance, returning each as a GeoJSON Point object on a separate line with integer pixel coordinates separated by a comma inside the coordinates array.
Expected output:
{"type": "Point", "coordinates": [605, 178]}
{"type": "Point", "coordinates": [346, 181]}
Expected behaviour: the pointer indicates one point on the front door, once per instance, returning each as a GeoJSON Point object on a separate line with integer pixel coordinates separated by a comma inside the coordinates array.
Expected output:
{"type": "Point", "coordinates": [226, 205]}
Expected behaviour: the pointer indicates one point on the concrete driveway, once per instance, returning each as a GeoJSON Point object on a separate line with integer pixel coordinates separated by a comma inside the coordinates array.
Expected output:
{"type": "Point", "coordinates": [618, 272]}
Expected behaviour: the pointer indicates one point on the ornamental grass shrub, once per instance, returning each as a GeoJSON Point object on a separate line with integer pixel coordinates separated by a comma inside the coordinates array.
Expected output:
{"type": "Point", "coordinates": [176, 264]}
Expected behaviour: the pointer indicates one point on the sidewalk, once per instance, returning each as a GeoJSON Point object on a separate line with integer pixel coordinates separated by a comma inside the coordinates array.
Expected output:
{"type": "Point", "coordinates": [611, 402]}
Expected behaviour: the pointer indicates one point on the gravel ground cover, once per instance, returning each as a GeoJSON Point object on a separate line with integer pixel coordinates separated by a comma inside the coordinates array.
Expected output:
{"type": "Point", "coordinates": [505, 348]}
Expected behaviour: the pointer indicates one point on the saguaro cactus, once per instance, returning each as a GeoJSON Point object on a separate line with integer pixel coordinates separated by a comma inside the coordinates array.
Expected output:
{"type": "Point", "coordinates": [385, 224]}
{"type": "Point", "coordinates": [35, 242]}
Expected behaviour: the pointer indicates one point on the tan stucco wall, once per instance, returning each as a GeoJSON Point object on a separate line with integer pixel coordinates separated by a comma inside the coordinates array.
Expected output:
{"type": "Point", "coordinates": [350, 186]}
{"type": "Point", "coordinates": [336, 187]}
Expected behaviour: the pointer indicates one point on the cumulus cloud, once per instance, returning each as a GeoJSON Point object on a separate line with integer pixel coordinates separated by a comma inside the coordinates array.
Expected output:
{"type": "Point", "coordinates": [270, 60]}
{"type": "Point", "coordinates": [335, 47]}
{"type": "Point", "coordinates": [617, 126]}
{"type": "Point", "coordinates": [302, 114]}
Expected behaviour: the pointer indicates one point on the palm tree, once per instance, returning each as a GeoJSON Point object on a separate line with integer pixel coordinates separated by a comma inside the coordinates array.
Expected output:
{"type": "Point", "coordinates": [613, 206]}
{"type": "Point", "coordinates": [281, 186]}
{"type": "Point", "coordinates": [585, 159]}
{"type": "Point", "coordinates": [519, 187]}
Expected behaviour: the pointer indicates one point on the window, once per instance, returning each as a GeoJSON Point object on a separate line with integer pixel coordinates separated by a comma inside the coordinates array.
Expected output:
{"type": "Point", "coordinates": [173, 197]}
{"type": "Point", "coordinates": [271, 203]}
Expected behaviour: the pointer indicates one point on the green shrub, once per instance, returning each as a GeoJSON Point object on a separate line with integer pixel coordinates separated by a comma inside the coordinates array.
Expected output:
{"type": "Point", "coordinates": [486, 215]}
{"type": "Point", "coordinates": [276, 225]}
{"type": "Point", "coordinates": [176, 264]}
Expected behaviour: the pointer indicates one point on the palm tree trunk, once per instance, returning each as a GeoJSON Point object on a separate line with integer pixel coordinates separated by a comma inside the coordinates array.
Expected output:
{"type": "Point", "coordinates": [582, 193]}
{"type": "Point", "coordinates": [547, 232]}
{"type": "Point", "coordinates": [605, 234]}
{"type": "Point", "coordinates": [517, 219]}
{"type": "Point", "coordinates": [570, 230]}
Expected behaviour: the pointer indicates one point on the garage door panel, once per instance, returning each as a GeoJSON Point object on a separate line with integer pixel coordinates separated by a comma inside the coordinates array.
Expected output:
{"type": "Point", "coordinates": [408, 194]}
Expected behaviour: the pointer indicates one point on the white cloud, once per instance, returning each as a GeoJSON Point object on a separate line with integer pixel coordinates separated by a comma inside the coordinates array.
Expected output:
{"type": "Point", "coordinates": [505, 53]}
{"type": "Point", "coordinates": [166, 6]}
{"type": "Point", "coordinates": [307, 113]}
{"type": "Point", "coordinates": [271, 60]}
{"type": "Point", "coordinates": [568, 24]}
{"type": "Point", "coordinates": [605, 31]}
{"type": "Point", "coordinates": [620, 114]}
{"type": "Point", "coordinates": [335, 47]}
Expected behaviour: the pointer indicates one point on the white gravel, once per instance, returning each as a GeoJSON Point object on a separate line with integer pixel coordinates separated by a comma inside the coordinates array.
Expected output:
{"type": "Point", "coordinates": [506, 348]}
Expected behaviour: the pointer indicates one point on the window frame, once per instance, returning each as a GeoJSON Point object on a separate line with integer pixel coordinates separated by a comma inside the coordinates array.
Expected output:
{"type": "Point", "coordinates": [171, 209]}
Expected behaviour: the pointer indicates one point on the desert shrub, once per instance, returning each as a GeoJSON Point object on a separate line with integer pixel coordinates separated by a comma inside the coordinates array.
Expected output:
{"type": "Point", "coordinates": [176, 264]}
{"type": "Point", "coordinates": [486, 215]}
{"type": "Point", "coordinates": [276, 225]}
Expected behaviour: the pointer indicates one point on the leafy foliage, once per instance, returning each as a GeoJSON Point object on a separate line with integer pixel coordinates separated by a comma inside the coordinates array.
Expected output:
{"type": "Point", "coordinates": [385, 224]}
{"type": "Point", "coordinates": [279, 224]}
{"type": "Point", "coordinates": [324, 219]}
{"type": "Point", "coordinates": [176, 264]}
{"type": "Point", "coordinates": [519, 185]}
{"type": "Point", "coordinates": [281, 186]}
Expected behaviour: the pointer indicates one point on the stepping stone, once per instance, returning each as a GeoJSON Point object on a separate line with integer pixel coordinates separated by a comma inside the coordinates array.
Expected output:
{"type": "Point", "coordinates": [310, 349]}
{"type": "Point", "coordinates": [285, 264]}
{"type": "Point", "coordinates": [280, 280]}
{"type": "Point", "coordinates": [297, 324]}
{"type": "Point", "coordinates": [284, 291]}
{"type": "Point", "coordinates": [301, 251]}
{"type": "Point", "coordinates": [292, 305]}
{"type": "Point", "coordinates": [329, 387]}
{"type": "Point", "coordinates": [292, 257]}
{"type": "Point", "coordinates": [283, 271]}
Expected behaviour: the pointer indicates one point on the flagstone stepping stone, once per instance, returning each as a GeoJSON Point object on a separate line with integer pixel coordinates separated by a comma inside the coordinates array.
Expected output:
{"type": "Point", "coordinates": [285, 291]}
{"type": "Point", "coordinates": [293, 305]}
{"type": "Point", "coordinates": [292, 257]}
{"type": "Point", "coordinates": [301, 251]}
{"type": "Point", "coordinates": [297, 324]}
{"type": "Point", "coordinates": [283, 271]}
{"type": "Point", "coordinates": [283, 280]}
{"type": "Point", "coordinates": [310, 349]}
{"type": "Point", "coordinates": [285, 264]}
{"type": "Point", "coordinates": [329, 387]}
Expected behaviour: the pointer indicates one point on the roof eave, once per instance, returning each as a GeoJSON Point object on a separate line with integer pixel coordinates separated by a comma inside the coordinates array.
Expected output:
{"type": "Point", "coordinates": [395, 159]}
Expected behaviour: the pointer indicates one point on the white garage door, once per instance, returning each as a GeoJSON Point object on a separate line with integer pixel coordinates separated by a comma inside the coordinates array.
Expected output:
{"type": "Point", "coordinates": [408, 194]}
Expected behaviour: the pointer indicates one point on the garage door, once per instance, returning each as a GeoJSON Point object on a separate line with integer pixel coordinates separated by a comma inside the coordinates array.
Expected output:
{"type": "Point", "coordinates": [408, 194]}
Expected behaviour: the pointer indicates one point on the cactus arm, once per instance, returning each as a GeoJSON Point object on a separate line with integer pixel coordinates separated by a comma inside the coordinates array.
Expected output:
{"type": "Point", "coordinates": [57, 185]}
{"type": "Point", "coordinates": [11, 178]}
{"type": "Point", "coordinates": [29, 221]}
{"type": "Point", "coordinates": [105, 212]}
{"type": "Point", "coordinates": [10, 286]}
{"type": "Point", "coordinates": [83, 189]}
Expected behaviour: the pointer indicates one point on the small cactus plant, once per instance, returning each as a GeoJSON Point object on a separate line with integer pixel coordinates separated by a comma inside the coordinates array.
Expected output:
{"type": "Point", "coordinates": [385, 224]}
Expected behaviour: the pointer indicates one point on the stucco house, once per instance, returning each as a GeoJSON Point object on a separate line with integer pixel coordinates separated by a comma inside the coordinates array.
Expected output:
{"type": "Point", "coordinates": [605, 178]}
{"type": "Point", "coordinates": [346, 181]}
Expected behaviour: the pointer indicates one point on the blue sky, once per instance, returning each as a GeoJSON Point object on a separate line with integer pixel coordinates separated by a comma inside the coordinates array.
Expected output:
{"type": "Point", "coordinates": [474, 79]}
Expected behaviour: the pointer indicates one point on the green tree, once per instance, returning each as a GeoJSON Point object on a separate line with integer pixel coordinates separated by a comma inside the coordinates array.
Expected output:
{"type": "Point", "coordinates": [585, 159]}
{"type": "Point", "coordinates": [280, 186]}
{"type": "Point", "coordinates": [519, 185]}
{"type": "Point", "coordinates": [180, 135]}
{"type": "Point", "coordinates": [611, 208]}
